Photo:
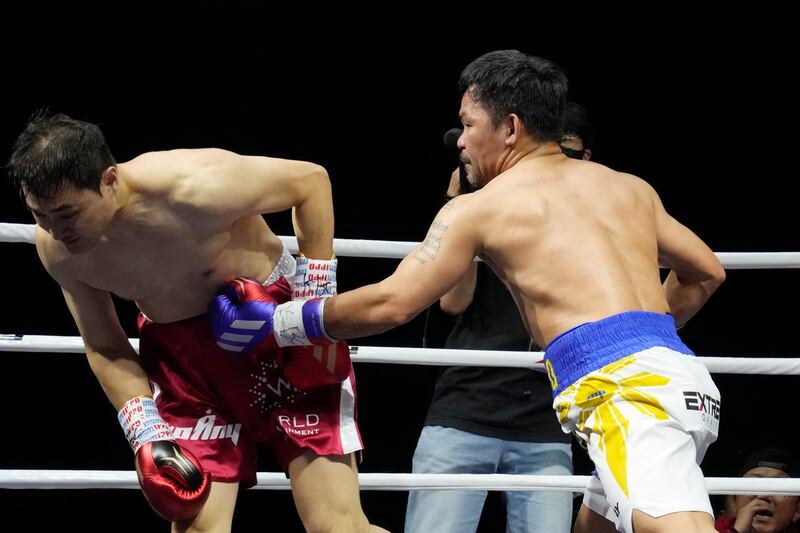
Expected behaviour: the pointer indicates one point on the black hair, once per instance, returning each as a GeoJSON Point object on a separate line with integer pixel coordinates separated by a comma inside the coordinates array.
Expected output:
{"type": "Point", "coordinates": [53, 151]}
{"type": "Point", "coordinates": [508, 81]}
{"type": "Point", "coordinates": [576, 120]}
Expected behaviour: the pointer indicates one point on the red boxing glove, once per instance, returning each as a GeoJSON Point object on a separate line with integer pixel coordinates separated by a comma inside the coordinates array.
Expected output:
{"type": "Point", "coordinates": [172, 480]}
{"type": "Point", "coordinates": [307, 367]}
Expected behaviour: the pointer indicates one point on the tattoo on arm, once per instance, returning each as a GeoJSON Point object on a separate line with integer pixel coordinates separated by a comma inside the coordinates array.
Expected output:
{"type": "Point", "coordinates": [428, 249]}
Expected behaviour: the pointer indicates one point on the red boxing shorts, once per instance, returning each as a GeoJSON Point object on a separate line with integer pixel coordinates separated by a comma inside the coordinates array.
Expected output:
{"type": "Point", "coordinates": [220, 406]}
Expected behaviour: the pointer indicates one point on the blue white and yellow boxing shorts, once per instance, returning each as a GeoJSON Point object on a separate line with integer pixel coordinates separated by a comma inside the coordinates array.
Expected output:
{"type": "Point", "coordinates": [646, 408]}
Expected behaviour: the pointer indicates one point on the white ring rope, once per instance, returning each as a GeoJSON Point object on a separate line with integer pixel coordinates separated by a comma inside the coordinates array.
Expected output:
{"type": "Point", "coordinates": [431, 356]}
{"type": "Point", "coordinates": [119, 479]}
{"type": "Point", "coordinates": [16, 232]}
{"type": "Point", "coordinates": [399, 249]}
{"type": "Point", "coordinates": [76, 479]}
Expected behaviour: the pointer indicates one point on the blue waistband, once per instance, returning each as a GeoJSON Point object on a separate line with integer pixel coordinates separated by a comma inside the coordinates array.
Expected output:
{"type": "Point", "coordinates": [592, 345]}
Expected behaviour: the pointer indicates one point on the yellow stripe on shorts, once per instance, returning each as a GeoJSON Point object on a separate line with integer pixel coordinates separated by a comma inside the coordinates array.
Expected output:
{"type": "Point", "coordinates": [593, 395]}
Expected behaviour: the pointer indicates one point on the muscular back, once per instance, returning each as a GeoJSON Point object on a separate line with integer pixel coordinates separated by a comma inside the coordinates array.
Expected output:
{"type": "Point", "coordinates": [574, 240]}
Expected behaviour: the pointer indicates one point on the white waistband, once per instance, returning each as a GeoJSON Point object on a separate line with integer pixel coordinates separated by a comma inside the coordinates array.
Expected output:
{"type": "Point", "coordinates": [285, 267]}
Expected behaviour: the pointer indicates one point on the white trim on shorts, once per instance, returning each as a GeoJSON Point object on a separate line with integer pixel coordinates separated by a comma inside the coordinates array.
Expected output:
{"type": "Point", "coordinates": [284, 269]}
{"type": "Point", "coordinates": [644, 411]}
{"type": "Point", "coordinates": [348, 433]}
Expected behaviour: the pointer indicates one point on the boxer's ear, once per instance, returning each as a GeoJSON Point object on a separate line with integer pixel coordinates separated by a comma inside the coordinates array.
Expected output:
{"type": "Point", "coordinates": [513, 127]}
{"type": "Point", "coordinates": [110, 179]}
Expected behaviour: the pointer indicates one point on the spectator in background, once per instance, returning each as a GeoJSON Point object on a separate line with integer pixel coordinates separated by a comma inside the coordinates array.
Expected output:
{"type": "Point", "coordinates": [764, 514]}
{"type": "Point", "coordinates": [577, 138]}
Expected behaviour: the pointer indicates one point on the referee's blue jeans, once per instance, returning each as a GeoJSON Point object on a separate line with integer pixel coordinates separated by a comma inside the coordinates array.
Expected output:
{"type": "Point", "coordinates": [442, 450]}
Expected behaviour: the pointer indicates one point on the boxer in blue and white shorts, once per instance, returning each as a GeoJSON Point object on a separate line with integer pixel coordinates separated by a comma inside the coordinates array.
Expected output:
{"type": "Point", "coordinates": [579, 247]}
{"type": "Point", "coordinates": [636, 395]}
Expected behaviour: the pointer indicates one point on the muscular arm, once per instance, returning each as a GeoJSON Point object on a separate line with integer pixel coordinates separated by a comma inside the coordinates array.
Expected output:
{"type": "Point", "coordinates": [112, 358]}
{"type": "Point", "coordinates": [278, 184]}
{"type": "Point", "coordinates": [312, 217]}
{"type": "Point", "coordinates": [427, 273]}
{"type": "Point", "coordinates": [234, 186]}
{"type": "Point", "coordinates": [695, 272]}
{"type": "Point", "coordinates": [457, 299]}
{"type": "Point", "coordinates": [180, 494]}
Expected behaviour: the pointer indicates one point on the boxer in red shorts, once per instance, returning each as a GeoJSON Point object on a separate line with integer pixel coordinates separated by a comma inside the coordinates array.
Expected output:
{"type": "Point", "coordinates": [169, 230]}
{"type": "Point", "coordinates": [220, 407]}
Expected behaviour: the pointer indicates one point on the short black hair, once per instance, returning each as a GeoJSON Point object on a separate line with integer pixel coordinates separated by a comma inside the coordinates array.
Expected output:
{"type": "Point", "coordinates": [508, 81]}
{"type": "Point", "coordinates": [576, 120]}
{"type": "Point", "coordinates": [56, 150]}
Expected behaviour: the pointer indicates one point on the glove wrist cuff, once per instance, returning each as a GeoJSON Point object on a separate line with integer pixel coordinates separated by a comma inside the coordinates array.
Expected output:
{"type": "Point", "coordinates": [141, 422]}
{"type": "Point", "coordinates": [300, 323]}
{"type": "Point", "coordinates": [314, 278]}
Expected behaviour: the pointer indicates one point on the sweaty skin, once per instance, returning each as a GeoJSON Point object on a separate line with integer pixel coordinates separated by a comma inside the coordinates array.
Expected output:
{"type": "Point", "coordinates": [167, 231]}
{"type": "Point", "coordinates": [574, 241]}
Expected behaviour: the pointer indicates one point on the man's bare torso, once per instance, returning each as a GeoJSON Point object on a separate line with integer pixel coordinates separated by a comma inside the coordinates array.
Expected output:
{"type": "Point", "coordinates": [167, 250]}
{"type": "Point", "coordinates": [575, 242]}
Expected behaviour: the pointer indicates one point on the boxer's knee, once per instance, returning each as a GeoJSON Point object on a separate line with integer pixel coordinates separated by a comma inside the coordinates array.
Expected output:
{"type": "Point", "coordinates": [326, 493]}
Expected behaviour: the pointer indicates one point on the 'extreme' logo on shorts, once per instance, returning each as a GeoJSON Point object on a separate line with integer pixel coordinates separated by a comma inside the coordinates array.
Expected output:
{"type": "Point", "coordinates": [704, 403]}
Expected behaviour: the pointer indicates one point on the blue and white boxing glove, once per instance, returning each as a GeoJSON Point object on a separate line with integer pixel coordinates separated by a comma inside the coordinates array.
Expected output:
{"type": "Point", "coordinates": [300, 323]}
{"type": "Point", "coordinates": [245, 315]}
{"type": "Point", "coordinates": [241, 316]}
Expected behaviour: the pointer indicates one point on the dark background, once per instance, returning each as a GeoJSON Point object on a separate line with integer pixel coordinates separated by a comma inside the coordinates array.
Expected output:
{"type": "Point", "coordinates": [700, 102]}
